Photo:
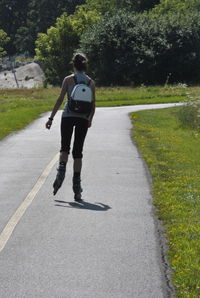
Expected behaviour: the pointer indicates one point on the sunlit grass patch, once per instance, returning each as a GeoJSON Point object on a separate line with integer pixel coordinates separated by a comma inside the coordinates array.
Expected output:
{"type": "Point", "coordinates": [119, 96]}
{"type": "Point", "coordinates": [15, 102]}
{"type": "Point", "coordinates": [172, 154]}
{"type": "Point", "coordinates": [21, 106]}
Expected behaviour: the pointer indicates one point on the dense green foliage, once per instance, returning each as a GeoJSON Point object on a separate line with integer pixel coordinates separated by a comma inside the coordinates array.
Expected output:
{"type": "Point", "coordinates": [12, 16]}
{"type": "Point", "coordinates": [3, 40]}
{"type": "Point", "coordinates": [104, 6]}
{"type": "Point", "coordinates": [176, 6]}
{"type": "Point", "coordinates": [138, 5]}
{"type": "Point", "coordinates": [22, 20]}
{"type": "Point", "coordinates": [127, 42]}
{"type": "Point", "coordinates": [56, 47]}
{"type": "Point", "coordinates": [141, 49]}
{"type": "Point", "coordinates": [126, 47]}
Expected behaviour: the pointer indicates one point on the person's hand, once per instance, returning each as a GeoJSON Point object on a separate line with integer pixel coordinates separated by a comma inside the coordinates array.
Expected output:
{"type": "Point", "coordinates": [49, 123]}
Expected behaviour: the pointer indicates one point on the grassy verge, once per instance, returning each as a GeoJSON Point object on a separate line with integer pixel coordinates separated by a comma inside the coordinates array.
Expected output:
{"type": "Point", "coordinates": [19, 107]}
{"type": "Point", "coordinates": [119, 96]}
{"type": "Point", "coordinates": [172, 154]}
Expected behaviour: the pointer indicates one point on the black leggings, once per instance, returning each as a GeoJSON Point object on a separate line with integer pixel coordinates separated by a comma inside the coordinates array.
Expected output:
{"type": "Point", "coordinates": [67, 126]}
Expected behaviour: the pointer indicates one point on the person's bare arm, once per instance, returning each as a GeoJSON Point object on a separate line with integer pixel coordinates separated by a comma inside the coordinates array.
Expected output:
{"type": "Point", "coordinates": [58, 102]}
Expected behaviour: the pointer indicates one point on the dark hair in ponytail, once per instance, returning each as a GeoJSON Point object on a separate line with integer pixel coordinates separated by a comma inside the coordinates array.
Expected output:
{"type": "Point", "coordinates": [80, 61]}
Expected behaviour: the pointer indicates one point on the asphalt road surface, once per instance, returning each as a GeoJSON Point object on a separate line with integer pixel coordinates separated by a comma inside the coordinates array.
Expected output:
{"type": "Point", "coordinates": [50, 246]}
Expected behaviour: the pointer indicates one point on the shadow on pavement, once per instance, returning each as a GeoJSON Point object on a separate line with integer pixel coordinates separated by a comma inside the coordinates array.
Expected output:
{"type": "Point", "coordinates": [83, 205]}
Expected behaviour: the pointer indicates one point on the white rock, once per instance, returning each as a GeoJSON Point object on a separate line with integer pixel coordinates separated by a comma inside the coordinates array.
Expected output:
{"type": "Point", "coordinates": [28, 76]}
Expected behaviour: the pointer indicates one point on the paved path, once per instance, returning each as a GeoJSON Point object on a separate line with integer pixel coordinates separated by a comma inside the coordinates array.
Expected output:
{"type": "Point", "coordinates": [108, 246]}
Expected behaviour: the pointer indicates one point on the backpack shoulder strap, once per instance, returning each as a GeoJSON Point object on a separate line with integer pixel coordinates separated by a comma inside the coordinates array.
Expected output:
{"type": "Point", "coordinates": [88, 83]}
{"type": "Point", "coordinates": [82, 82]}
{"type": "Point", "coordinates": [75, 79]}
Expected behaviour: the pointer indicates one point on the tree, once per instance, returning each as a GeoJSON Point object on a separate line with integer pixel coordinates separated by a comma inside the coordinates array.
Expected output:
{"type": "Point", "coordinates": [22, 20]}
{"type": "Point", "coordinates": [84, 18]}
{"type": "Point", "coordinates": [176, 6]}
{"type": "Point", "coordinates": [3, 40]}
{"type": "Point", "coordinates": [25, 40]}
{"type": "Point", "coordinates": [104, 6]}
{"type": "Point", "coordinates": [13, 15]}
{"type": "Point", "coordinates": [100, 6]}
{"type": "Point", "coordinates": [41, 15]}
{"type": "Point", "coordinates": [137, 5]}
{"type": "Point", "coordinates": [115, 57]}
{"type": "Point", "coordinates": [140, 49]}
{"type": "Point", "coordinates": [55, 49]}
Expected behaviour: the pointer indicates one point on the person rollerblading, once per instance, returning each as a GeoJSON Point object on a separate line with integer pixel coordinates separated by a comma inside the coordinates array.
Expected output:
{"type": "Point", "coordinates": [59, 177]}
{"type": "Point", "coordinates": [77, 115]}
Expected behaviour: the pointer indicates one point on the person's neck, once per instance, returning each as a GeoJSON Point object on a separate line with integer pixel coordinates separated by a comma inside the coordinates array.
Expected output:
{"type": "Point", "coordinates": [81, 72]}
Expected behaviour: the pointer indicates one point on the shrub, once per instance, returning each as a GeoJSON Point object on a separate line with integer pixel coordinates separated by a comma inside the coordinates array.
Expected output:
{"type": "Point", "coordinates": [189, 114]}
{"type": "Point", "coordinates": [3, 40]}
{"type": "Point", "coordinates": [132, 48]}
{"type": "Point", "coordinates": [174, 6]}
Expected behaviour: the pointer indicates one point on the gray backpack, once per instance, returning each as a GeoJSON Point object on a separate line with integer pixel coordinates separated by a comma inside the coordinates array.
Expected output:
{"type": "Point", "coordinates": [81, 97]}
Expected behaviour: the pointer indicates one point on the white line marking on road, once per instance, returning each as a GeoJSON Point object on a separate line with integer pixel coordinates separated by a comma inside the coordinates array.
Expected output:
{"type": "Point", "coordinates": [9, 228]}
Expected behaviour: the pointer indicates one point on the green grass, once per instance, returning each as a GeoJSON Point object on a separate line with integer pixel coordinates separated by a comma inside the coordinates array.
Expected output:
{"type": "Point", "coordinates": [172, 154]}
{"type": "Point", "coordinates": [19, 107]}
{"type": "Point", "coordinates": [120, 96]}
